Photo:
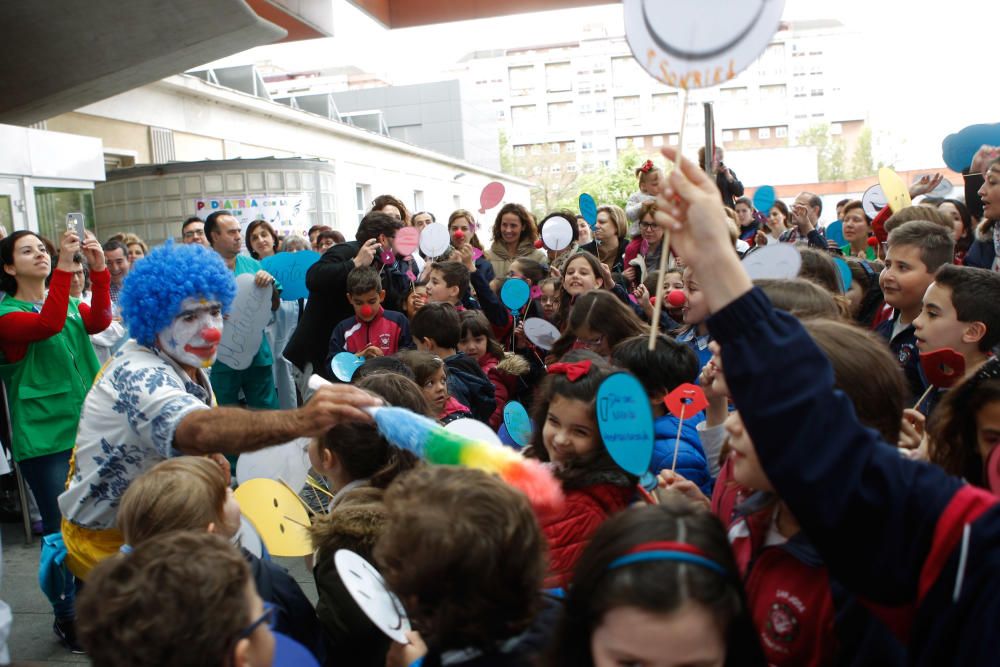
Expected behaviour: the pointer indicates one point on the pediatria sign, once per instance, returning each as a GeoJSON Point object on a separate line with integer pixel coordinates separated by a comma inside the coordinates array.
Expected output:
{"type": "Point", "coordinates": [286, 213]}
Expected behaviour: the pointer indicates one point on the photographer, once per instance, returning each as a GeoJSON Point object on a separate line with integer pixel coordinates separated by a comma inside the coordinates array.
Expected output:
{"type": "Point", "coordinates": [725, 178]}
{"type": "Point", "coordinates": [327, 283]}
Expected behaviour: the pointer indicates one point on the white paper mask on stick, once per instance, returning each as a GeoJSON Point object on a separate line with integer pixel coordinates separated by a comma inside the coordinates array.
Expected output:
{"type": "Point", "coordinates": [367, 588]}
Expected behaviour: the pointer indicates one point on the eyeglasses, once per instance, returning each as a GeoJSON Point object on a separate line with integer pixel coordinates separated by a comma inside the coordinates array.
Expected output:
{"type": "Point", "coordinates": [194, 233]}
{"type": "Point", "coordinates": [267, 617]}
{"type": "Point", "coordinates": [648, 226]}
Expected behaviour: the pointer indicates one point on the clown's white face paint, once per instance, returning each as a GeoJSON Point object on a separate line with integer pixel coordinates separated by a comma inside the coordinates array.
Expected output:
{"type": "Point", "coordinates": [193, 337]}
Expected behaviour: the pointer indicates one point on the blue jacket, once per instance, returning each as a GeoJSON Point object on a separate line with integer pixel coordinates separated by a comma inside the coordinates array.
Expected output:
{"type": "Point", "coordinates": [894, 531]}
{"type": "Point", "coordinates": [690, 455]}
{"type": "Point", "coordinates": [981, 254]}
{"type": "Point", "coordinates": [470, 386]}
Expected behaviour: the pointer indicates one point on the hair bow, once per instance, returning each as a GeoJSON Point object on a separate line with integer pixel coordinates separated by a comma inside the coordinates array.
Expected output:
{"type": "Point", "coordinates": [646, 167]}
{"type": "Point", "coordinates": [572, 370]}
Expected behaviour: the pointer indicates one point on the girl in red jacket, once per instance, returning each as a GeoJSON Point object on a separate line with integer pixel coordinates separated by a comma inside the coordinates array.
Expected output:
{"type": "Point", "coordinates": [566, 435]}
{"type": "Point", "coordinates": [503, 370]}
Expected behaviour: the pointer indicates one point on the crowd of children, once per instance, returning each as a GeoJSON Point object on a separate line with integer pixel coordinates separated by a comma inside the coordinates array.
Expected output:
{"type": "Point", "coordinates": [831, 505]}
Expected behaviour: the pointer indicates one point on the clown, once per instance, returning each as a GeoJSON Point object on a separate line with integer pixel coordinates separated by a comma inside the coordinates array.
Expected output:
{"type": "Point", "coordinates": [152, 400]}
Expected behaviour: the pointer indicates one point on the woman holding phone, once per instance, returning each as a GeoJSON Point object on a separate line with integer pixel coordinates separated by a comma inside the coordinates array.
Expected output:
{"type": "Point", "coordinates": [48, 364]}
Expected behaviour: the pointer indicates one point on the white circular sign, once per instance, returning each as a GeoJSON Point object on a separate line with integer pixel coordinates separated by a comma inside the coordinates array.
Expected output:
{"type": "Point", "coordinates": [557, 234]}
{"type": "Point", "coordinates": [367, 588]}
{"type": "Point", "coordinates": [541, 332]}
{"type": "Point", "coordinates": [685, 43]}
{"type": "Point", "coordinates": [248, 538]}
{"type": "Point", "coordinates": [873, 201]}
{"type": "Point", "coordinates": [434, 240]}
{"type": "Point", "coordinates": [474, 430]}
{"type": "Point", "coordinates": [775, 261]}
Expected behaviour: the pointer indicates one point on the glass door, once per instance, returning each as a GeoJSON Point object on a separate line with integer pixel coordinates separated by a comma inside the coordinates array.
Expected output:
{"type": "Point", "coordinates": [11, 206]}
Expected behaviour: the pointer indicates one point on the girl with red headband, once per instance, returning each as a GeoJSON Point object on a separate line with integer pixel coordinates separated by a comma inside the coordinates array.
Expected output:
{"type": "Point", "coordinates": [650, 182]}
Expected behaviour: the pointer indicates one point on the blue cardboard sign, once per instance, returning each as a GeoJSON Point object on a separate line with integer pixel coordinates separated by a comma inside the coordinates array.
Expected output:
{"type": "Point", "coordinates": [289, 269]}
{"type": "Point", "coordinates": [588, 209]}
{"type": "Point", "coordinates": [958, 149]}
{"type": "Point", "coordinates": [764, 198]}
{"type": "Point", "coordinates": [515, 293]}
{"type": "Point", "coordinates": [845, 273]}
{"type": "Point", "coordinates": [344, 364]}
{"type": "Point", "coordinates": [625, 419]}
{"type": "Point", "coordinates": [518, 424]}
{"type": "Point", "coordinates": [835, 232]}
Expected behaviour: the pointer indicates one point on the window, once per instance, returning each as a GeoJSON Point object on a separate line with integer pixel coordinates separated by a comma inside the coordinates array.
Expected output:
{"type": "Point", "coordinates": [554, 149]}
{"type": "Point", "coordinates": [571, 147]}
{"type": "Point", "coordinates": [665, 104]}
{"type": "Point", "coordinates": [734, 95]}
{"type": "Point", "coordinates": [626, 108]}
{"type": "Point", "coordinates": [674, 139]}
{"type": "Point", "coordinates": [558, 77]}
{"type": "Point", "coordinates": [601, 107]}
{"type": "Point", "coordinates": [560, 114]}
{"type": "Point", "coordinates": [657, 141]}
{"type": "Point", "coordinates": [639, 142]}
{"type": "Point", "coordinates": [816, 92]}
{"type": "Point", "coordinates": [781, 132]}
{"type": "Point", "coordinates": [586, 145]}
{"type": "Point", "coordinates": [501, 114]}
{"type": "Point", "coordinates": [744, 135]}
{"type": "Point", "coordinates": [456, 202]}
{"type": "Point", "coordinates": [836, 129]}
{"type": "Point", "coordinates": [764, 133]}
{"type": "Point", "coordinates": [727, 135]}
{"type": "Point", "coordinates": [418, 200]}
{"type": "Point", "coordinates": [52, 205]}
{"type": "Point", "coordinates": [523, 116]}
{"type": "Point", "coordinates": [555, 169]}
{"type": "Point", "coordinates": [362, 195]}
{"type": "Point", "coordinates": [777, 92]}
{"type": "Point", "coordinates": [520, 151]}
{"type": "Point", "coordinates": [625, 72]}
{"type": "Point", "coordinates": [522, 79]}
{"type": "Point", "coordinates": [571, 167]}
{"type": "Point", "coordinates": [536, 149]}
{"type": "Point", "coordinates": [622, 143]}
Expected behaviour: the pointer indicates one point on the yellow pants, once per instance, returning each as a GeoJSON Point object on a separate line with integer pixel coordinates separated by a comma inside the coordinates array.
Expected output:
{"type": "Point", "coordinates": [86, 548]}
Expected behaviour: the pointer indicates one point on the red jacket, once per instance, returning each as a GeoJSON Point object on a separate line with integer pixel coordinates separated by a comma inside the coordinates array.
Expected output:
{"type": "Point", "coordinates": [388, 330]}
{"type": "Point", "coordinates": [569, 531]}
{"type": "Point", "coordinates": [503, 374]}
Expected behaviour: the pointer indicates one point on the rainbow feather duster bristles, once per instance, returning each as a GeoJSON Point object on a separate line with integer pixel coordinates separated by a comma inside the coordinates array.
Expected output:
{"type": "Point", "coordinates": [433, 443]}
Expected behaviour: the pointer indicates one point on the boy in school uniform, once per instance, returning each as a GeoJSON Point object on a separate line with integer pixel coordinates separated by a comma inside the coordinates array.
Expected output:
{"type": "Point", "coordinates": [916, 250]}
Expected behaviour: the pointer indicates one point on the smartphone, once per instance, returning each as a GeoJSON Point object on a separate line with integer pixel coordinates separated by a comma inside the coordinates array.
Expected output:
{"type": "Point", "coordinates": [74, 223]}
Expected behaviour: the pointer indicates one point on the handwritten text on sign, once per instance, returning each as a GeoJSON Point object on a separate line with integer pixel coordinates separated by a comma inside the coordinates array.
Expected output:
{"type": "Point", "coordinates": [625, 419]}
{"type": "Point", "coordinates": [243, 329]}
{"type": "Point", "coordinates": [289, 269]}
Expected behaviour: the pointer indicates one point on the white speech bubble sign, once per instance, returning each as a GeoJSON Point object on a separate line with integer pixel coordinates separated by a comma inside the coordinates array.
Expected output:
{"type": "Point", "coordinates": [434, 240]}
{"type": "Point", "coordinates": [775, 261]}
{"type": "Point", "coordinates": [541, 332]}
{"type": "Point", "coordinates": [557, 234]}
{"type": "Point", "coordinates": [367, 587]}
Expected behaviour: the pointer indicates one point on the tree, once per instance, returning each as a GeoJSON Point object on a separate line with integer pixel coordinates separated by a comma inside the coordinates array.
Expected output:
{"type": "Point", "coordinates": [608, 185]}
{"type": "Point", "coordinates": [506, 157]}
{"type": "Point", "coordinates": [830, 152]}
{"type": "Point", "coordinates": [862, 161]}
{"type": "Point", "coordinates": [554, 180]}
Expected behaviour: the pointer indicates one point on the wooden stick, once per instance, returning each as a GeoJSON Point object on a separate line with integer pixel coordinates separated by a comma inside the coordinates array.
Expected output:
{"type": "Point", "coordinates": [319, 487]}
{"type": "Point", "coordinates": [647, 496]}
{"type": "Point", "coordinates": [298, 523]}
{"type": "Point", "coordinates": [924, 397]}
{"type": "Point", "coordinates": [677, 443]}
{"type": "Point", "coordinates": [654, 329]}
{"type": "Point", "coordinates": [296, 494]}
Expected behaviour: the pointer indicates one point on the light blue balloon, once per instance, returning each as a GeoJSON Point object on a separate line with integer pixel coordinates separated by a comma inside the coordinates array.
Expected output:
{"type": "Point", "coordinates": [588, 209]}
{"type": "Point", "coordinates": [764, 198]}
{"type": "Point", "coordinates": [515, 293]}
{"type": "Point", "coordinates": [518, 424]}
{"type": "Point", "coordinates": [289, 269]}
{"type": "Point", "coordinates": [958, 149]}
{"type": "Point", "coordinates": [344, 365]}
{"type": "Point", "coordinates": [835, 232]}
{"type": "Point", "coordinates": [845, 273]}
{"type": "Point", "coordinates": [625, 420]}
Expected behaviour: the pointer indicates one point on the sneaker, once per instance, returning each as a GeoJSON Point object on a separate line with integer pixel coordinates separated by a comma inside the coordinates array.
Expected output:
{"type": "Point", "coordinates": [65, 629]}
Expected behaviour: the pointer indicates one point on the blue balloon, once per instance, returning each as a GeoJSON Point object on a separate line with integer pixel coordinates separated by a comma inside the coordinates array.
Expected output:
{"type": "Point", "coordinates": [958, 149]}
{"type": "Point", "coordinates": [344, 364]}
{"type": "Point", "coordinates": [518, 424]}
{"type": "Point", "coordinates": [515, 293]}
{"type": "Point", "coordinates": [764, 198]}
{"type": "Point", "coordinates": [835, 232]}
{"type": "Point", "coordinates": [625, 420]}
{"type": "Point", "coordinates": [588, 209]}
{"type": "Point", "coordinates": [289, 269]}
{"type": "Point", "coordinates": [845, 273]}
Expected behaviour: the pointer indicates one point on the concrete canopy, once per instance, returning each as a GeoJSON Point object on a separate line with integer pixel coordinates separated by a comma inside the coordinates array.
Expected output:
{"type": "Point", "coordinates": [411, 13]}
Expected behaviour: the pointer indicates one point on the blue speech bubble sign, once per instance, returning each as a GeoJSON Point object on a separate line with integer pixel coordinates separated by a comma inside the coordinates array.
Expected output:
{"type": "Point", "coordinates": [518, 423]}
{"type": "Point", "coordinates": [344, 365]}
{"type": "Point", "coordinates": [845, 273]}
{"type": "Point", "coordinates": [764, 198]}
{"type": "Point", "coordinates": [588, 209]}
{"type": "Point", "coordinates": [289, 269]}
{"type": "Point", "coordinates": [958, 149]}
{"type": "Point", "coordinates": [515, 293]}
{"type": "Point", "coordinates": [625, 419]}
{"type": "Point", "coordinates": [835, 232]}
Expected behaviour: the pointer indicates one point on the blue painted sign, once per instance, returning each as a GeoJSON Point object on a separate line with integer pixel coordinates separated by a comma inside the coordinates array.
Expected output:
{"type": "Point", "coordinates": [625, 419]}
{"type": "Point", "coordinates": [344, 364]}
{"type": "Point", "coordinates": [289, 269]}
{"type": "Point", "coordinates": [588, 209]}
{"type": "Point", "coordinates": [518, 423]}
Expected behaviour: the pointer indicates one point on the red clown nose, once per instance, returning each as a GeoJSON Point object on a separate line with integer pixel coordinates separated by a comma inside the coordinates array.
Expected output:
{"type": "Point", "coordinates": [459, 234]}
{"type": "Point", "coordinates": [676, 298]}
{"type": "Point", "coordinates": [366, 311]}
{"type": "Point", "coordinates": [539, 244]}
{"type": "Point", "coordinates": [211, 335]}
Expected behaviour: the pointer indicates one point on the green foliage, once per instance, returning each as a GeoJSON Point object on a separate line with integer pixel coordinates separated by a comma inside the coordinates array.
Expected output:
{"type": "Point", "coordinates": [862, 161]}
{"type": "Point", "coordinates": [506, 155]}
{"type": "Point", "coordinates": [831, 153]}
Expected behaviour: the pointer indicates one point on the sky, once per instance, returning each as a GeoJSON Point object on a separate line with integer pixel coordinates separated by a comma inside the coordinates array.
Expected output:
{"type": "Point", "coordinates": [927, 64]}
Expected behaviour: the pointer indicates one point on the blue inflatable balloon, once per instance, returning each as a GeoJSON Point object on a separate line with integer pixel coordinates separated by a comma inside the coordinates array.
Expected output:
{"type": "Point", "coordinates": [958, 149]}
{"type": "Point", "coordinates": [835, 232]}
{"type": "Point", "coordinates": [625, 419]}
{"type": "Point", "coordinates": [764, 198]}
{"type": "Point", "coordinates": [588, 209]}
{"type": "Point", "coordinates": [289, 269]}
{"type": "Point", "coordinates": [515, 293]}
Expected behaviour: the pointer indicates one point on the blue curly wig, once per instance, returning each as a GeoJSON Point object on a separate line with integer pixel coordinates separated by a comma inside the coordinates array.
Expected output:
{"type": "Point", "coordinates": [155, 287]}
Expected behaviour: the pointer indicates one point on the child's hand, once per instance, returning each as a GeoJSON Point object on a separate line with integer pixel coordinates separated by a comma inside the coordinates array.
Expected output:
{"type": "Point", "coordinates": [674, 485]}
{"type": "Point", "coordinates": [404, 655]}
{"type": "Point", "coordinates": [913, 436]}
{"type": "Point", "coordinates": [641, 295]}
{"type": "Point", "coordinates": [609, 282]}
{"type": "Point", "coordinates": [554, 273]}
{"type": "Point", "coordinates": [629, 273]}
{"type": "Point", "coordinates": [760, 238]}
{"type": "Point", "coordinates": [465, 256]}
{"type": "Point", "coordinates": [371, 351]}
{"type": "Point", "coordinates": [520, 340]}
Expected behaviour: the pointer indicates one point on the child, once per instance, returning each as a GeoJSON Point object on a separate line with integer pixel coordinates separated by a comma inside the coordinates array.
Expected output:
{"type": "Point", "coordinates": [597, 322]}
{"type": "Point", "coordinates": [477, 342]}
{"type": "Point", "coordinates": [448, 282]}
{"type": "Point", "coordinates": [661, 370]}
{"type": "Point", "coordinates": [373, 331]}
{"type": "Point", "coordinates": [181, 598]}
{"type": "Point", "coordinates": [657, 585]}
{"type": "Point", "coordinates": [916, 250]}
{"type": "Point", "coordinates": [581, 274]}
{"type": "Point", "coordinates": [650, 183]}
{"type": "Point", "coordinates": [189, 493]}
{"type": "Point", "coordinates": [474, 590]}
{"type": "Point", "coordinates": [359, 465]}
{"type": "Point", "coordinates": [431, 377]}
{"type": "Point", "coordinates": [549, 299]}
{"type": "Point", "coordinates": [694, 333]}
{"type": "Point", "coordinates": [566, 435]}
{"type": "Point", "coordinates": [415, 299]}
{"type": "Point", "coordinates": [646, 292]}
{"type": "Point", "coordinates": [965, 428]}
{"type": "Point", "coordinates": [436, 329]}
